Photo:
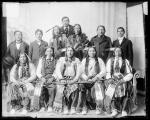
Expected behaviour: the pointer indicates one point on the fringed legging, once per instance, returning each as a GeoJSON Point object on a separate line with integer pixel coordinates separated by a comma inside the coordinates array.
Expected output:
{"type": "Point", "coordinates": [17, 97]}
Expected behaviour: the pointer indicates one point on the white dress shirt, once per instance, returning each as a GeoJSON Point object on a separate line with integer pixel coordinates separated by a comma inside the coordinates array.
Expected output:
{"type": "Point", "coordinates": [120, 39]}
{"type": "Point", "coordinates": [38, 42]}
{"type": "Point", "coordinates": [18, 45]}
{"type": "Point", "coordinates": [66, 27]}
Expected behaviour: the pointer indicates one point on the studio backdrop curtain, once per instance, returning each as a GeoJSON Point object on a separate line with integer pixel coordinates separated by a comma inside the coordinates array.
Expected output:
{"type": "Point", "coordinates": [135, 32]}
{"type": "Point", "coordinates": [30, 16]}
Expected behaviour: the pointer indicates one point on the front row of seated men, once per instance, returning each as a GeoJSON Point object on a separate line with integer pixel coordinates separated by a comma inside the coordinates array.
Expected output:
{"type": "Point", "coordinates": [70, 86]}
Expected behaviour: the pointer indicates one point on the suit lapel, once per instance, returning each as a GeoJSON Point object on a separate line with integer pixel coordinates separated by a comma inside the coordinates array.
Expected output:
{"type": "Point", "coordinates": [117, 44]}
{"type": "Point", "coordinates": [41, 43]}
{"type": "Point", "coordinates": [21, 46]}
{"type": "Point", "coordinates": [14, 44]}
{"type": "Point", "coordinates": [124, 39]}
{"type": "Point", "coordinates": [16, 50]}
{"type": "Point", "coordinates": [70, 29]}
{"type": "Point", "coordinates": [102, 39]}
{"type": "Point", "coordinates": [15, 47]}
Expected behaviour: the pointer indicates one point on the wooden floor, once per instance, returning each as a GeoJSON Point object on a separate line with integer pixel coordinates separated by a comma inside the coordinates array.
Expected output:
{"type": "Point", "coordinates": [91, 114]}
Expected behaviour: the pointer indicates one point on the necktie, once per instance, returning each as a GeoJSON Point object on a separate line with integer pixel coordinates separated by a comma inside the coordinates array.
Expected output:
{"type": "Point", "coordinates": [66, 30]}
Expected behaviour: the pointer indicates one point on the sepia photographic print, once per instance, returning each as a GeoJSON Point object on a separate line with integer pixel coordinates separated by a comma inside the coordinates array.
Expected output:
{"type": "Point", "coordinates": [74, 59]}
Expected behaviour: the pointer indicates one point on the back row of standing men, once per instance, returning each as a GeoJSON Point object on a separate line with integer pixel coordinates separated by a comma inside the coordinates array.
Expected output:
{"type": "Point", "coordinates": [69, 35]}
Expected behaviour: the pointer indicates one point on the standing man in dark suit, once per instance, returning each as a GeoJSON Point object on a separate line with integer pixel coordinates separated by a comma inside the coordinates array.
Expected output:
{"type": "Point", "coordinates": [37, 47]}
{"type": "Point", "coordinates": [17, 46]}
{"type": "Point", "coordinates": [125, 44]}
{"type": "Point", "coordinates": [66, 29]}
{"type": "Point", "coordinates": [101, 42]}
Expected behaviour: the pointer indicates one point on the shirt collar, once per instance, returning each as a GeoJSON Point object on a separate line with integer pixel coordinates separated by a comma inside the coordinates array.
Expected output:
{"type": "Point", "coordinates": [18, 43]}
{"type": "Point", "coordinates": [39, 42]}
{"type": "Point", "coordinates": [120, 38]}
{"type": "Point", "coordinates": [66, 27]}
{"type": "Point", "coordinates": [101, 36]}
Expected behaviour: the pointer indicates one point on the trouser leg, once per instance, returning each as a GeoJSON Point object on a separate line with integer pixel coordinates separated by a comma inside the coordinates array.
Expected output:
{"type": "Point", "coordinates": [117, 103]}
{"type": "Point", "coordinates": [126, 104]}
{"type": "Point", "coordinates": [82, 98]}
{"type": "Point", "coordinates": [65, 100]}
{"type": "Point", "coordinates": [51, 93]}
{"type": "Point", "coordinates": [74, 98]}
{"type": "Point", "coordinates": [90, 103]}
{"type": "Point", "coordinates": [43, 97]}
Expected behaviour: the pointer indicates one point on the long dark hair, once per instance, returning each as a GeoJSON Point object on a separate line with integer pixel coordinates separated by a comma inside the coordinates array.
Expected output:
{"type": "Point", "coordinates": [52, 48]}
{"type": "Point", "coordinates": [27, 60]}
{"type": "Point", "coordinates": [54, 35]}
{"type": "Point", "coordinates": [79, 27]}
{"type": "Point", "coordinates": [66, 57]}
{"type": "Point", "coordinates": [87, 61]}
{"type": "Point", "coordinates": [26, 64]}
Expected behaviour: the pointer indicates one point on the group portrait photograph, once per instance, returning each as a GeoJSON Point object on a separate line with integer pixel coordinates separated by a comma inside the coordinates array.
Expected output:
{"type": "Point", "coordinates": [74, 59]}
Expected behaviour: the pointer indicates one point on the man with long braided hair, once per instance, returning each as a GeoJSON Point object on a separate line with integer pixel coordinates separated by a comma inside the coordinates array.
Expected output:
{"type": "Point", "coordinates": [67, 72]}
{"type": "Point", "coordinates": [93, 70]}
{"type": "Point", "coordinates": [20, 88]}
{"type": "Point", "coordinates": [118, 97]}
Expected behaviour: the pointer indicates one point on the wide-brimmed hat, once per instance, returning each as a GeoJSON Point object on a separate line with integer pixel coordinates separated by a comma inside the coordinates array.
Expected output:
{"type": "Point", "coordinates": [8, 61]}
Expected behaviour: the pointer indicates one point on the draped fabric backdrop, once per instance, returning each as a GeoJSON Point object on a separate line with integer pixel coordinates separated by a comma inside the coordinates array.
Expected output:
{"type": "Point", "coordinates": [136, 34]}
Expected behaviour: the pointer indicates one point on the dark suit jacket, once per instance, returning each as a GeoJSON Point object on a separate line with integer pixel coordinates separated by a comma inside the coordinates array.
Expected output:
{"type": "Point", "coordinates": [14, 52]}
{"type": "Point", "coordinates": [36, 51]}
{"type": "Point", "coordinates": [127, 49]}
{"type": "Point", "coordinates": [101, 44]}
{"type": "Point", "coordinates": [70, 31]}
